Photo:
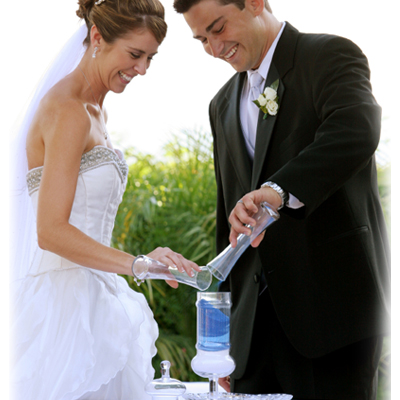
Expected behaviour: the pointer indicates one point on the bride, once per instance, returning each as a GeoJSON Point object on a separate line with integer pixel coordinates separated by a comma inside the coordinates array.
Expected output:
{"type": "Point", "coordinates": [79, 331]}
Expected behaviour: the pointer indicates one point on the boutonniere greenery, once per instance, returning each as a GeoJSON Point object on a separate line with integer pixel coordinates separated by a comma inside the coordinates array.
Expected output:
{"type": "Point", "coordinates": [267, 101]}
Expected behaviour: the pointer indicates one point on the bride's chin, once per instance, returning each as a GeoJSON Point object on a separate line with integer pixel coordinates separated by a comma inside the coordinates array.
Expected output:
{"type": "Point", "coordinates": [118, 89]}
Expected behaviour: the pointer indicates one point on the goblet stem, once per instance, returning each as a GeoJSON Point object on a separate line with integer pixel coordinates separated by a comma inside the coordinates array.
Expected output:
{"type": "Point", "coordinates": [213, 388]}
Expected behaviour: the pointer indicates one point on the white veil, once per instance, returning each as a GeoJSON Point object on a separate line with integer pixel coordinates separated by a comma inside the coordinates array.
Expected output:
{"type": "Point", "coordinates": [23, 239]}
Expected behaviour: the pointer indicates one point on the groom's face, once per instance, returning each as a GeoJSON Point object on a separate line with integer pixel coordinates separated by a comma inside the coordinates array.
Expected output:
{"type": "Point", "coordinates": [228, 33]}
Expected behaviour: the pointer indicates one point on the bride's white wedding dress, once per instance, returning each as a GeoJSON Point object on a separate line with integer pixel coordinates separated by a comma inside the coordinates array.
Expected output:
{"type": "Point", "coordinates": [81, 333]}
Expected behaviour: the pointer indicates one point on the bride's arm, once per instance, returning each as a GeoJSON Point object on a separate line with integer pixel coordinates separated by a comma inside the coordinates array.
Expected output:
{"type": "Point", "coordinates": [65, 139]}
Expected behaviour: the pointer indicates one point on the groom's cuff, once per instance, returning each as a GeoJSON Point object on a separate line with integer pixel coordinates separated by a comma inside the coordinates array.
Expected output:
{"type": "Point", "coordinates": [294, 202]}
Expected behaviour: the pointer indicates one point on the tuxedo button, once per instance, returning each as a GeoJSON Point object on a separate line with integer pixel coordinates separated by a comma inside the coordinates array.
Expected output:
{"type": "Point", "coordinates": [256, 278]}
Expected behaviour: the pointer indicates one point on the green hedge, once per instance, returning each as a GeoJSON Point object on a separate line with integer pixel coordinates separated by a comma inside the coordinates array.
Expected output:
{"type": "Point", "coordinates": [171, 203]}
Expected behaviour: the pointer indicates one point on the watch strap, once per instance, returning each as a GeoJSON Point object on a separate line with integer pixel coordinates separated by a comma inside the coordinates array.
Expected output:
{"type": "Point", "coordinates": [283, 193]}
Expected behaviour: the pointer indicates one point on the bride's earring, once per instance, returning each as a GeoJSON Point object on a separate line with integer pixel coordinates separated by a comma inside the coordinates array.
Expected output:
{"type": "Point", "coordinates": [94, 53]}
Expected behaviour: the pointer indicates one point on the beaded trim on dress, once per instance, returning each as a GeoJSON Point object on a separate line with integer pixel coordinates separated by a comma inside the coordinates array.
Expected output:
{"type": "Point", "coordinates": [93, 158]}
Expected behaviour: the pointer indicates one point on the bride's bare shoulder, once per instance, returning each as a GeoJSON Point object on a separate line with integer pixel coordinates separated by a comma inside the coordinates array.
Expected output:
{"type": "Point", "coordinates": [62, 109]}
{"type": "Point", "coordinates": [61, 119]}
{"type": "Point", "coordinates": [61, 97]}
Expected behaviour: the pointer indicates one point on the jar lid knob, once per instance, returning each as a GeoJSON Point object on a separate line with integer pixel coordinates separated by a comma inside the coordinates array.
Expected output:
{"type": "Point", "coordinates": [165, 366]}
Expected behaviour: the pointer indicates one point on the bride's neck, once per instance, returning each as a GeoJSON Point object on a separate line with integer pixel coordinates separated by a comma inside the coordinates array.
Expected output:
{"type": "Point", "coordinates": [90, 71]}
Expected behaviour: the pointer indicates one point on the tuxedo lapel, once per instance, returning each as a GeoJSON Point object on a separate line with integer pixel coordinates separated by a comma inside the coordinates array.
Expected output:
{"type": "Point", "coordinates": [282, 62]}
{"type": "Point", "coordinates": [265, 128]}
{"type": "Point", "coordinates": [232, 131]}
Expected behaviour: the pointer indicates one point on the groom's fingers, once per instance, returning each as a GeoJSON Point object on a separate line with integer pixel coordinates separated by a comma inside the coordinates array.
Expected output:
{"type": "Point", "coordinates": [258, 239]}
{"type": "Point", "coordinates": [225, 383]}
{"type": "Point", "coordinates": [240, 217]}
{"type": "Point", "coordinates": [249, 202]}
{"type": "Point", "coordinates": [233, 238]}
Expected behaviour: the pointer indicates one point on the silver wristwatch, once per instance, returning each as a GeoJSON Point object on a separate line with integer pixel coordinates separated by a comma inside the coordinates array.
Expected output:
{"type": "Point", "coordinates": [284, 195]}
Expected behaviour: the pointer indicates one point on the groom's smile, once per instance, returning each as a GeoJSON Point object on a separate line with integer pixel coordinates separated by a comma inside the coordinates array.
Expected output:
{"type": "Point", "coordinates": [231, 53]}
{"type": "Point", "coordinates": [228, 33]}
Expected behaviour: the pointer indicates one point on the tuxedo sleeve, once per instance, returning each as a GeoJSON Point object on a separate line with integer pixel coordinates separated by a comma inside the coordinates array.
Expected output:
{"type": "Point", "coordinates": [349, 125]}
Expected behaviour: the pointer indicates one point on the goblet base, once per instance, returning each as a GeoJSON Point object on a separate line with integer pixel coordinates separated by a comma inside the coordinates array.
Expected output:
{"type": "Point", "coordinates": [213, 364]}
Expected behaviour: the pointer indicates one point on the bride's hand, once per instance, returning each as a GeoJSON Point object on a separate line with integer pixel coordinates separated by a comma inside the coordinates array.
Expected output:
{"type": "Point", "coordinates": [168, 257]}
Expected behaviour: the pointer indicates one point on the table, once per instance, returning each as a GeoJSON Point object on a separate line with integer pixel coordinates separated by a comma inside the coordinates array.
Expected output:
{"type": "Point", "coordinates": [199, 387]}
{"type": "Point", "coordinates": [203, 387]}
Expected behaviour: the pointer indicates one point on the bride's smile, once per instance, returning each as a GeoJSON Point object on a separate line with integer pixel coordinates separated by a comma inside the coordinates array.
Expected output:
{"type": "Point", "coordinates": [133, 52]}
{"type": "Point", "coordinates": [124, 77]}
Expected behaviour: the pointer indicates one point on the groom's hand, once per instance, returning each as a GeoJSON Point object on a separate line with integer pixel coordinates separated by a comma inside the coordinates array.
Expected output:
{"type": "Point", "coordinates": [225, 383]}
{"type": "Point", "coordinates": [245, 208]}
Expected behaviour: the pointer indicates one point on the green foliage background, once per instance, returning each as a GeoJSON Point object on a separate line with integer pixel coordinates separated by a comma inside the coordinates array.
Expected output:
{"type": "Point", "coordinates": [171, 203]}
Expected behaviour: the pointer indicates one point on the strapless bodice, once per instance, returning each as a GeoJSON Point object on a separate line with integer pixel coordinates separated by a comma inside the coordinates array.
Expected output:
{"type": "Point", "coordinates": [100, 187]}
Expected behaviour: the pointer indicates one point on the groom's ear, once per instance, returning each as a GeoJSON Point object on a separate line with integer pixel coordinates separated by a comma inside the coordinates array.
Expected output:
{"type": "Point", "coordinates": [256, 7]}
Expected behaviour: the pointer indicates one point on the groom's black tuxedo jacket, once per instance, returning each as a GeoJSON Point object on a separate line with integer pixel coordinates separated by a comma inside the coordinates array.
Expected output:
{"type": "Point", "coordinates": [327, 263]}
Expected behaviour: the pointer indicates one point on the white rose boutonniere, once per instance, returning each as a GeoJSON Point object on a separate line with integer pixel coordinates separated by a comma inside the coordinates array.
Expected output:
{"type": "Point", "coordinates": [267, 102]}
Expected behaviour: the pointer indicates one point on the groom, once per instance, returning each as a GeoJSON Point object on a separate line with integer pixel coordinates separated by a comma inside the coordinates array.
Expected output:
{"type": "Point", "coordinates": [310, 299]}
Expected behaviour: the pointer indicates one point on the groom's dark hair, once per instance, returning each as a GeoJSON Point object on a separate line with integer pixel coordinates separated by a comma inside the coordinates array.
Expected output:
{"type": "Point", "coordinates": [182, 6]}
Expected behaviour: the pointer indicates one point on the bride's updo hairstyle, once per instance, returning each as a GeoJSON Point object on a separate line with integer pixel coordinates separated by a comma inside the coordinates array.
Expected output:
{"type": "Point", "coordinates": [115, 18]}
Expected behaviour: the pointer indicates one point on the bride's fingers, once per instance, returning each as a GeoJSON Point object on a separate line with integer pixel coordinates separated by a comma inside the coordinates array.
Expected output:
{"type": "Point", "coordinates": [185, 265]}
{"type": "Point", "coordinates": [194, 266]}
{"type": "Point", "coordinates": [168, 257]}
{"type": "Point", "coordinates": [173, 284]}
{"type": "Point", "coordinates": [188, 265]}
{"type": "Point", "coordinates": [182, 263]}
